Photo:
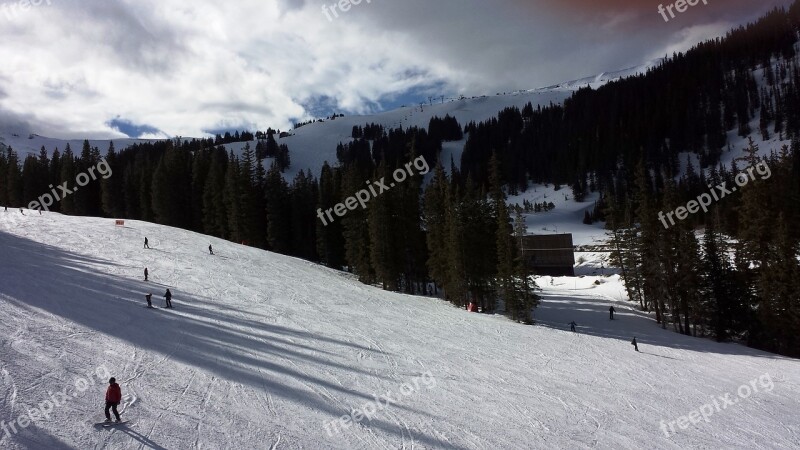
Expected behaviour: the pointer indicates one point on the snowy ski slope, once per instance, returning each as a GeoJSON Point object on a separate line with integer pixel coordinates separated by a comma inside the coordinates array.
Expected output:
{"type": "Point", "coordinates": [264, 351]}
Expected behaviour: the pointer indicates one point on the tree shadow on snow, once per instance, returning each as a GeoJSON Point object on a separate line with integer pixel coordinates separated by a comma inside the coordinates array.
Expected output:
{"type": "Point", "coordinates": [235, 344]}
{"type": "Point", "coordinates": [591, 314]}
{"type": "Point", "coordinates": [34, 438]}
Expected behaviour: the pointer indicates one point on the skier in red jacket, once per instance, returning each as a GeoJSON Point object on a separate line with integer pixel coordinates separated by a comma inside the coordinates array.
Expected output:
{"type": "Point", "coordinates": [113, 399]}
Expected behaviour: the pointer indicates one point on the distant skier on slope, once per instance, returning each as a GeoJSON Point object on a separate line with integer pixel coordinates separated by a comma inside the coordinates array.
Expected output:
{"type": "Point", "coordinates": [145, 274]}
{"type": "Point", "coordinates": [572, 326]}
{"type": "Point", "coordinates": [635, 344]}
{"type": "Point", "coordinates": [113, 399]}
{"type": "Point", "coordinates": [146, 244]}
{"type": "Point", "coordinates": [611, 312]}
{"type": "Point", "coordinates": [210, 250]}
{"type": "Point", "coordinates": [168, 296]}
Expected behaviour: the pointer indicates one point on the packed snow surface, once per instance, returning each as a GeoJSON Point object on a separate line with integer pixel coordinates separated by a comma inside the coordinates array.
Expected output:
{"type": "Point", "coordinates": [265, 351]}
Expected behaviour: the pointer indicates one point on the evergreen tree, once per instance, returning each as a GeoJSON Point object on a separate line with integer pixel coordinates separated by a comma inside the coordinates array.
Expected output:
{"type": "Point", "coordinates": [232, 198]}
{"type": "Point", "coordinates": [455, 282]}
{"type": "Point", "coordinates": [303, 195]}
{"type": "Point", "coordinates": [4, 201]}
{"type": "Point", "coordinates": [278, 211]}
{"type": "Point", "coordinates": [330, 242]}
{"type": "Point", "coordinates": [382, 222]}
{"type": "Point", "coordinates": [67, 176]}
{"type": "Point", "coordinates": [720, 304]}
{"type": "Point", "coordinates": [356, 227]}
{"type": "Point", "coordinates": [506, 288]}
{"type": "Point", "coordinates": [112, 187]}
{"type": "Point", "coordinates": [215, 210]}
{"type": "Point", "coordinates": [436, 225]}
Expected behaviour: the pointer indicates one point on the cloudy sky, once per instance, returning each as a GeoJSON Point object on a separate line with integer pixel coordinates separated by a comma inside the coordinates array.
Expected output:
{"type": "Point", "coordinates": [111, 68]}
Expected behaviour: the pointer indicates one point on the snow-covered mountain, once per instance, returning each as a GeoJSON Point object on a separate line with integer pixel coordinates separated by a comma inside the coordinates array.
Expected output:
{"type": "Point", "coordinates": [313, 144]}
{"type": "Point", "coordinates": [267, 351]}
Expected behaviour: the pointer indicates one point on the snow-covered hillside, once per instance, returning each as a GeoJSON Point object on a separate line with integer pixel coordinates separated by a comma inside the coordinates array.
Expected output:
{"type": "Point", "coordinates": [266, 351]}
{"type": "Point", "coordinates": [313, 144]}
{"type": "Point", "coordinates": [605, 77]}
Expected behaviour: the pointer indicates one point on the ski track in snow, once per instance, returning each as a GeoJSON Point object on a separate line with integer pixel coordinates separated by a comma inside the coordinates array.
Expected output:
{"type": "Point", "coordinates": [262, 351]}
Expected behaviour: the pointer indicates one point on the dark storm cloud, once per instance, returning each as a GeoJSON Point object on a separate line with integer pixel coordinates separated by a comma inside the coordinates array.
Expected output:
{"type": "Point", "coordinates": [11, 122]}
{"type": "Point", "coordinates": [511, 44]}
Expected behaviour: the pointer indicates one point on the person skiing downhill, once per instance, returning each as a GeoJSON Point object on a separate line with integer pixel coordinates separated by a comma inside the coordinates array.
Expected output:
{"type": "Point", "coordinates": [168, 296]}
{"type": "Point", "coordinates": [113, 399]}
{"type": "Point", "coordinates": [611, 312]}
{"type": "Point", "coordinates": [146, 244]}
{"type": "Point", "coordinates": [210, 250]}
{"type": "Point", "coordinates": [145, 273]}
{"type": "Point", "coordinates": [572, 326]}
{"type": "Point", "coordinates": [635, 344]}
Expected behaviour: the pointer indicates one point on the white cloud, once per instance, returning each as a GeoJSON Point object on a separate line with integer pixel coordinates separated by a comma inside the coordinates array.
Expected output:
{"type": "Point", "coordinates": [185, 67]}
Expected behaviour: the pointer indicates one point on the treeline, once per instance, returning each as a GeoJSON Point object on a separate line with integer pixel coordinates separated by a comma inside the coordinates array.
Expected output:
{"type": "Point", "coordinates": [445, 129]}
{"type": "Point", "coordinates": [402, 240]}
{"type": "Point", "coordinates": [187, 184]}
{"type": "Point", "coordinates": [228, 138]}
{"type": "Point", "coordinates": [535, 207]}
{"type": "Point", "coordinates": [369, 132]}
{"type": "Point", "coordinates": [268, 147]}
{"type": "Point", "coordinates": [22, 182]}
{"type": "Point", "coordinates": [333, 116]}
{"type": "Point", "coordinates": [741, 280]}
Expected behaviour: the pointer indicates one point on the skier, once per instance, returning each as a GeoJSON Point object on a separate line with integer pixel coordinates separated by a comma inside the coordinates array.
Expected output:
{"type": "Point", "coordinates": [210, 250]}
{"type": "Point", "coordinates": [572, 326]}
{"type": "Point", "coordinates": [145, 274]}
{"type": "Point", "coordinates": [634, 344]}
{"type": "Point", "coordinates": [146, 244]}
{"type": "Point", "coordinates": [149, 303]}
{"type": "Point", "coordinates": [113, 399]}
{"type": "Point", "coordinates": [168, 296]}
{"type": "Point", "coordinates": [611, 311]}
